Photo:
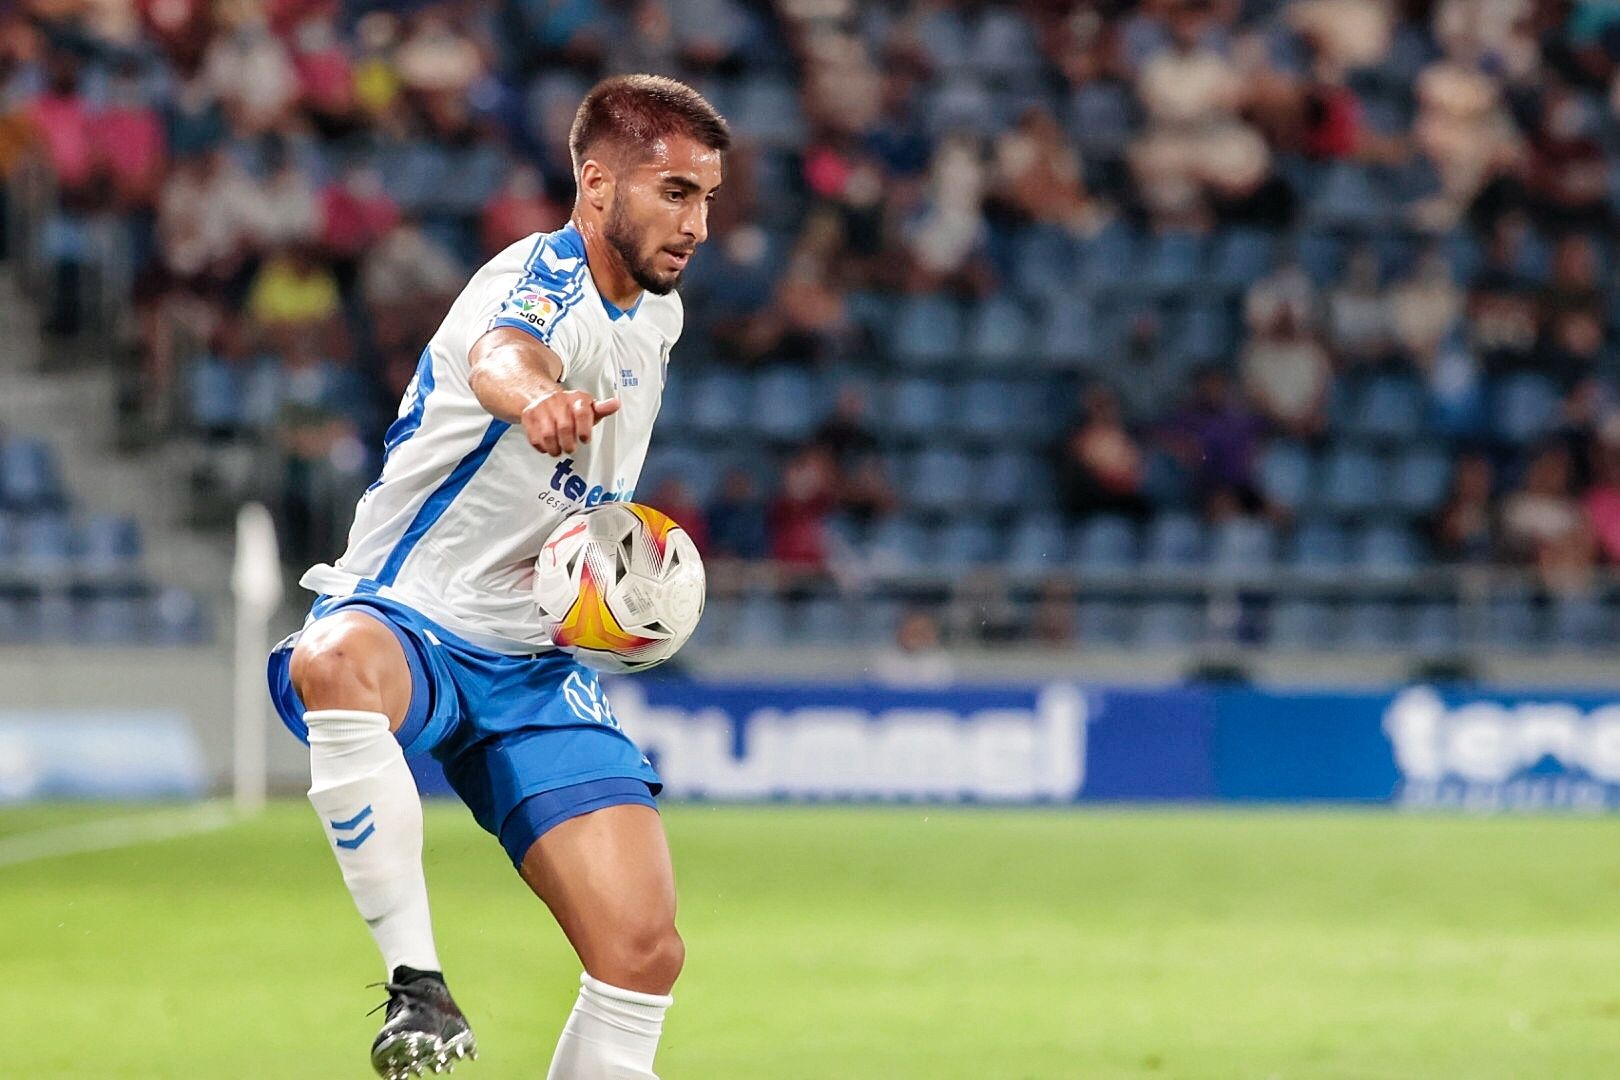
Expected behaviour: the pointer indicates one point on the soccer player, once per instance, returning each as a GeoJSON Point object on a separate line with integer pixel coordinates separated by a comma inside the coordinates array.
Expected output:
{"type": "Point", "coordinates": [535, 399]}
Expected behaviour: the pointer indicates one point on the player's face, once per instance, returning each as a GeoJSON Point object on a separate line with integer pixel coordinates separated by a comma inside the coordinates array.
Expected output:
{"type": "Point", "coordinates": [660, 210]}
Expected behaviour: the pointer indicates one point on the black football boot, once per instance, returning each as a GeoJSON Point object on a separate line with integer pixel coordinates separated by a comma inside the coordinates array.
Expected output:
{"type": "Point", "coordinates": [424, 1029]}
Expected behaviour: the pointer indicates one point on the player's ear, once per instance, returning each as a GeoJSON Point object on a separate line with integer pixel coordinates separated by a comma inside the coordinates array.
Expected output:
{"type": "Point", "coordinates": [595, 183]}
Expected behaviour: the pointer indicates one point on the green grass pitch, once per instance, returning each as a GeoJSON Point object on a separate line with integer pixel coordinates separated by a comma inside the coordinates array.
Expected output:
{"type": "Point", "coordinates": [884, 943]}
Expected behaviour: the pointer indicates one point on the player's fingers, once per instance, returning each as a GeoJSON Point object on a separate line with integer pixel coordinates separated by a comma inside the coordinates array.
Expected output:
{"type": "Point", "coordinates": [566, 433]}
{"type": "Point", "coordinates": [543, 435]}
{"type": "Point", "coordinates": [606, 407]}
{"type": "Point", "coordinates": [581, 418]}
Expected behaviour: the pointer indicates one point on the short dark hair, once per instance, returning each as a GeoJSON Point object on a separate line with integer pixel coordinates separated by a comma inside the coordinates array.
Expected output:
{"type": "Point", "coordinates": [634, 110]}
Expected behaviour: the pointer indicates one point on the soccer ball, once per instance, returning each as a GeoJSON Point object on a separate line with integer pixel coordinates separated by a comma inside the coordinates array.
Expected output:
{"type": "Point", "coordinates": [621, 586]}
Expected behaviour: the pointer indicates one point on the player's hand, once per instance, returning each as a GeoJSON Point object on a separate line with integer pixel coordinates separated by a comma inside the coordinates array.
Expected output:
{"type": "Point", "coordinates": [558, 422]}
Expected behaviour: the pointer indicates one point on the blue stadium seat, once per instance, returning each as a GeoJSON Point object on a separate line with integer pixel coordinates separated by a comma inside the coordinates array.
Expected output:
{"type": "Point", "coordinates": [1391, 409]}
{"type": "Point", "coordinates": [1003, 46]}
{"type": "Point", "coordinates": [1302, 625]}
{"type": "Point", "coordinates": [1387, 550]}
{"type": "Point", "coordinates": [1349, 197]}
{"type": "Point", "coordinates": [963, 543]}
{"type": "Point", "coordinates": [881, 621]}
{"type": "Point", "coordinates": [940, 480]}
{"type": "Point", "coordinates": [1100, 118]}
{"type": "Point", "coordinates": [10, 530]}
{"type": "Point", "coordinates": [828, 620]}
{"type": "Point", "coordinates": [1321, 255]}
{"type": "Point", "coordinates": [28, 475]}
{"type": "Point", "coordinates": [999, 332]}
{"type": "Point", "coordinates": [46, 546]}
{"type": "Point", "coordinates": [177, 616]}
{"type": "Point", "coordinates": [414, 174]}
{"type": "Point", "coordinates": [1511, 622]}
{"type": "Point", "coordinates": [1525, 407]}
{"type": "Point", "coordinates": [1175, 543]}
{"type": "Point", "coordinates": [721, 403]}
{"type": "Point", "coordinates": [701, 470]}
{"type": "Point", "coordinates": [766, 111]}
{"type": "Point", "coordinates": [1104, 623]}
{"type": "Point", "coordinates": [1241, 548]}
{"type": "Point", "coordinates": [1284, 474]}
{"type": "Point", "coordinates": [1319, 550]}
{"type": "Point", "coordinates": [109, 620]}
{"type": "Point", "coordinates": [1044, 262]}
{"type": "Point", "coordinates": [1169, 624]}
{"type": "Point", "coordinates": [1352, 482]}
{"type": "Point", "coordinates": [1435, 627]}
{"type": "Point", "coordinates": [1580, 622]}
{"type": "Point", "coordinates": [16, 622]}
{"type": "Point", "coordinates": [917, 408]}
{"type": "Point", "coordinates": [718, 626]}
{"type": "Point", "coordinates": [52, 617]}
{"type": "Point", "coordinates": [1105, 545]}
{"type": "Point", "coordinates": [927, 332]}
{"type": "Point", "coordinates": [761, 622]}
{"type": "Point", "coordinates": [996, 411]}
{"type": "Point", "coordinates": [1009, 480]}
{"type": "Point", "coordinates": [788, 404]}
{"type": "Point", "coordinates": [897, 544]}
{"type": "Point", "coordinates": [675, 407]}
{"type": "Point", "coordinates": [479, 172]}
{"type": "Point", "coordinates": [1374, 626]}
{"type": "Point", "coordinates": [1241, 257]}
{"type": "Point", "coordinates": [1038, 544]}
{"type": "Point", "coordinates": [1422, 477]}
{"type": "Point", "coordinates": [1165, 481]}
{"type": "Point", "coordinates": [961, 105]}
{"type": "Point", "coordinates": [1069, 335]}
{"type": "Point", "coordinates": [1172, 261]}
{"type": "Point", "coordinates": [1201, 333]}
{"type": "Point", "coordinates": [1109, 260]}
{"type": "Point", "coordinates": [944, 37]}
{"type": "Point", "coordinates": [109, 546]}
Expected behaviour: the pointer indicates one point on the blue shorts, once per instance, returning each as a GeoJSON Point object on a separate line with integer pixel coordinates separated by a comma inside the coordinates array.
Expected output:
{"type": "Point", "coordinates": [526, 741]}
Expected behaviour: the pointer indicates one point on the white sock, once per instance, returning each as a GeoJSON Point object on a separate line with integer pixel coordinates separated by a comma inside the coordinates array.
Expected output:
{"type": "Point", "coordinates": [612, 1034]}
{"type": "Point", "coordinates": [372, 813]}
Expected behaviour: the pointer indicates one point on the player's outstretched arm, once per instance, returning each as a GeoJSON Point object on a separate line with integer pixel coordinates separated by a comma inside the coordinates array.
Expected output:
{"type": "Point", "coordinates": [515, 377]}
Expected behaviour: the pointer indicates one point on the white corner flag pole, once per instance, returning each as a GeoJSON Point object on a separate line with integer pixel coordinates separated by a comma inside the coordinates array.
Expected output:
{"type": "Point", "coordinates": [256, 584]}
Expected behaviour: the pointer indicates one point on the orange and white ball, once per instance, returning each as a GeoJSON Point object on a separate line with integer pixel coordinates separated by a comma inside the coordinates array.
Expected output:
{"type": "Point", "coordinates": [621, 587]}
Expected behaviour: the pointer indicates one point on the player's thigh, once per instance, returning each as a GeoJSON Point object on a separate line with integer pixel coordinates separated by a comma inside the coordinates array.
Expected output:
{"type": "Point", "coordinates": [608, 879]}
{"type": "Point", "coordinates": [350, 659]}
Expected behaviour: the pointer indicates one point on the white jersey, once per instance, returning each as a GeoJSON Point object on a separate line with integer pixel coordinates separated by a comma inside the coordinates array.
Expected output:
{"type": "Point", "coordinates": [454, 524]}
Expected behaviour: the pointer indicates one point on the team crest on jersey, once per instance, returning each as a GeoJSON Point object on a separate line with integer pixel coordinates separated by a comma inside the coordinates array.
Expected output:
{"type": "Point", "coordinates": [534, 307]}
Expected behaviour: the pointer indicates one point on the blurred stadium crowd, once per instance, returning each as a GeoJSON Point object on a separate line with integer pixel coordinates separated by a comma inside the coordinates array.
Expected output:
{"type": "Point", "coordinates": [1136, 324]}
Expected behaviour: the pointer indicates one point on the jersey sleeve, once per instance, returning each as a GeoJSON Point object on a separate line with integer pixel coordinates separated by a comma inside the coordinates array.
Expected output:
{"type": "Point", "coordinates": [541, 298]}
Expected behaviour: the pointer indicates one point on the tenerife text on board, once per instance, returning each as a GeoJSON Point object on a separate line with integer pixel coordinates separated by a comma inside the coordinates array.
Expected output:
{"type": "Point", "coordinates": [1488, 754]}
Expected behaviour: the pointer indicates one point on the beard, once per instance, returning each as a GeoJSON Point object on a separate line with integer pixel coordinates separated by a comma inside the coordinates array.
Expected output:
{"type": "Point", "coordinates": [621, 233]}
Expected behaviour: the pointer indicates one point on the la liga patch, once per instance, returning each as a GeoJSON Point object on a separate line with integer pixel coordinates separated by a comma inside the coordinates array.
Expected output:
{"type": "Point", "coordinates": [534, 307]}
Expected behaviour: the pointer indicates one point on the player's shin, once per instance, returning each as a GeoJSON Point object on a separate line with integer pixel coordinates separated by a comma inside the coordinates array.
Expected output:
{"type": "Point", "coordinates": [612, 1034]}
{"type": "Point", "coordinates": [367, 800]}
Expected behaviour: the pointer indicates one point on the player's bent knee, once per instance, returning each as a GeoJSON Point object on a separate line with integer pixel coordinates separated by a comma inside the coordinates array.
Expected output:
{"type": "Point", "coordinates": [648, 961]}
{"type": "Point", "coordinates": [344, 663]}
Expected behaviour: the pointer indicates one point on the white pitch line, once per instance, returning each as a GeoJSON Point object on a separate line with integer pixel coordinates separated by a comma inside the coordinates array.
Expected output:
{"type": "Point", "coordinates": [108, 834]}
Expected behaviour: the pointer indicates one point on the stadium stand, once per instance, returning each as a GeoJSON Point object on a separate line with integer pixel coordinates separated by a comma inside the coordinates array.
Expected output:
{"type": "Point", "coordinates": [1302, 310]}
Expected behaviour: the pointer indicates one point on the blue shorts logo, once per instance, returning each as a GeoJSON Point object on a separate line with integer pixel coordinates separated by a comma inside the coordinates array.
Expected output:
{"type": "Point", "coordinates": [587, 701]}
